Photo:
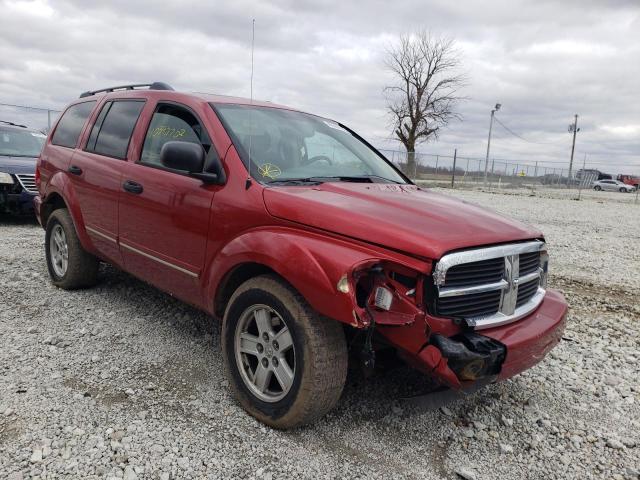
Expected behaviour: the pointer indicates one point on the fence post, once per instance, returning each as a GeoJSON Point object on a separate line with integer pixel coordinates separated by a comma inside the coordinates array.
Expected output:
{"type": "Point", "coordinates": [453, 173]}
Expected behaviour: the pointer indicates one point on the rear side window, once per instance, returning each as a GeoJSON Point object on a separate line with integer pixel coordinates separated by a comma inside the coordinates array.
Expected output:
{"type": "Point", "coordinates": [71, 123]}
{"type": "Point", "coordinates": [170, 123]}
{"type": "Point", "coordinates": [114, 126]}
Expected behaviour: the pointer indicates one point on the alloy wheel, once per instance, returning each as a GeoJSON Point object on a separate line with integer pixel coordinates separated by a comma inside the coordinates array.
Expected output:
{"type": "Point", "coordinates": [264, 353]}
{"type": "Point", "coordinates": [59, 250]}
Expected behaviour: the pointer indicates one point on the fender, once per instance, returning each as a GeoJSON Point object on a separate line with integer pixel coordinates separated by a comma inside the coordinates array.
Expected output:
{"type": "Point", "coordinates": [311, 262]}
{"type": "Point", "coordinates": [60, 184]}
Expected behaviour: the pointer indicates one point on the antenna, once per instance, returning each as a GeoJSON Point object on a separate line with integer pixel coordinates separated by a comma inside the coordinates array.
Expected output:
{"type": "Point", "coordinates": [253, 38]}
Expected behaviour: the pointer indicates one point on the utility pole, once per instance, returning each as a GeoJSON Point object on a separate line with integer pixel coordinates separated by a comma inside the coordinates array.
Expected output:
{"type": "Point", "coordinates": [486, 161]}
{"type": "Point", "coordinates": [572, 128]}
{"type": "Point", "coordinates": [583, 177]}
{"type": "Point", "coordinates": [453, 174]}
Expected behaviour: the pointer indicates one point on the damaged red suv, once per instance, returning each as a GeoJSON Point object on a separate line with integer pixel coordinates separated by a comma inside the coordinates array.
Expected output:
{"type": "Point", "coordinates": [297, 234]}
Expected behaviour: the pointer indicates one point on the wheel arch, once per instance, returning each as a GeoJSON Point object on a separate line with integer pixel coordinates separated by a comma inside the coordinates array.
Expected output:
{"type": "Point", "coordinates": [233, 279]}
{"type": "Point", "coordinates": [311, 263]}
{"type": "Point", "coordinates": [61, 194]}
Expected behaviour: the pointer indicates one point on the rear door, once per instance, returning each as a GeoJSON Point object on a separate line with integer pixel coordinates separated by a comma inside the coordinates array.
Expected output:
{"type": "Point", "coordinates": [62, 143]}
{"type": "Point", "coordinates": [97, 170]}
{"type": "Point", "coordinates": [163, 213]}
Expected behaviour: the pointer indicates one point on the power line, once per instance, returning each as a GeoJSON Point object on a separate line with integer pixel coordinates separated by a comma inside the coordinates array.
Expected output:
{"type": "Point", "coordinates": [520, 136]}
{"type": "Point", "coordinates": [30, 108]}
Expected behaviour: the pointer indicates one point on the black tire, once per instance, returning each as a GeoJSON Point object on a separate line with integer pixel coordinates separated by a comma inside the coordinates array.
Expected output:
{"type": "Point", "coordinates": [82, 267]}
{"type": "Point", "coordinates": [623, 190]}
{"type": "Point", "coordinates": [320, 354]}
{"type": "Point", "coordinates": [597, 188]}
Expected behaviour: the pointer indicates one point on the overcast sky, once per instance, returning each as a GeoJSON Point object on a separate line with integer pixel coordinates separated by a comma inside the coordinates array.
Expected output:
{"type": "Point", "coordinates": [542, 60]}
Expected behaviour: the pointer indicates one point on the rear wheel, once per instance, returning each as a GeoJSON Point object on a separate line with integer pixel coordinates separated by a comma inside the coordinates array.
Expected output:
{"type": "Point", "coordinates": [286, 364]}
{"type": "Point", "coordinates": [70, 266]}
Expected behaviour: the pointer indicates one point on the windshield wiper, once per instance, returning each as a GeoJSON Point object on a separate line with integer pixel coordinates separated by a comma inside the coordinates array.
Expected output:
{"type": "Point", "coordinates": [358, 178]}
{"type": "Point", "coordinates": [328, 178]}
{"type": "Point", "coordinates": [296, 181]}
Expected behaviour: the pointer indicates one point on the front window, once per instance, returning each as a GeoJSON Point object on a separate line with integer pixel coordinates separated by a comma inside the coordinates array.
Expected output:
{"type": "Point", "coordinates": [20, 143]}
{"type": "Point", "coordinates": [285, 146]}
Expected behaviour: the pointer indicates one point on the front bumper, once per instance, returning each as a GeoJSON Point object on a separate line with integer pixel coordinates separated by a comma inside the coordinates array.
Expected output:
{"type": "Point", "coordinates": [16, 202]}
{"type": "Point", "coordinates": [530, 339]}
{"type": "Point", "coordinates": [458, 358]}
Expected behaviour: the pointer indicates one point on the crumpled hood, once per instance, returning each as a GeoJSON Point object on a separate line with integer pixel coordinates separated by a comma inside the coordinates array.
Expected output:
{"type": "Point", "coordinates": [18, 165]}
{"type": "Point", "coordinates": [402, 217]}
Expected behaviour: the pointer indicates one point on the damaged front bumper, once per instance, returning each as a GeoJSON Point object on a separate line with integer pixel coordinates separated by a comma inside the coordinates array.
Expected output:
{"type": "Point", "coordinates": [457, 357]}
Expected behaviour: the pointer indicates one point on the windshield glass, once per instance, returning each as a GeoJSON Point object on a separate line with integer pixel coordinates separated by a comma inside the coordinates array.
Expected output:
{"type": "Point", "coordinates": [295, 146]}
{"type": "Point", "coordinates": [20, 143]}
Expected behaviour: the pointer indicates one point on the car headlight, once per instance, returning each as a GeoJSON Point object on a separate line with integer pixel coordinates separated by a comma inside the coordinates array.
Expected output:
{"type": "Point", "coordinates": [6, 179]}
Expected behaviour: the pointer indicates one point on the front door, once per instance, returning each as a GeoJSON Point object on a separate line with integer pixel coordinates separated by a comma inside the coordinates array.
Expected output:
{"type": "Point", "coordinates": [163, 213]}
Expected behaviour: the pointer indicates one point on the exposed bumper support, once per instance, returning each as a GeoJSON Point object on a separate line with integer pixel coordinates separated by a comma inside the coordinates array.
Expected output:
{"type": "Point", "coordinates": [471, 356]}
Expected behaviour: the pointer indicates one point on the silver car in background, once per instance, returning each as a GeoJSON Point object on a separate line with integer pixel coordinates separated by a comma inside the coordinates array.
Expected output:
{"type": "Point", "coordinates": [613, 185]}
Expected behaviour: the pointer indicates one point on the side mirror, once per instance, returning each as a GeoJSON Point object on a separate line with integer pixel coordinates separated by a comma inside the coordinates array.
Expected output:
{"type": "Point", "coordinates": [190, 157]}
{"type": "Point", "coordinates": [185, 156]}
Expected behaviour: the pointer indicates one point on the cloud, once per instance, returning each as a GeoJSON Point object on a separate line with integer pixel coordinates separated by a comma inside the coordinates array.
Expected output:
{"type": "Point", "coordinates": [544, 61]}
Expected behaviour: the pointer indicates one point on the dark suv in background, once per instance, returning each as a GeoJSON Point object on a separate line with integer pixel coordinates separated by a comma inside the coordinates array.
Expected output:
{"type": "Point", "coordinates": [19, 150]}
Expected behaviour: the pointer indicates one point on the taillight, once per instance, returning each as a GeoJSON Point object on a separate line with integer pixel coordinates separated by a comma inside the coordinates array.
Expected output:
{"type": "Point", "coordinates": [38, 177]}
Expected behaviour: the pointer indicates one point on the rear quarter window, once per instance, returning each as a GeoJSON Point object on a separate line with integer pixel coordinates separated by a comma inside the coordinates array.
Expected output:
{"type": "Point", "coordinates": [114, 126]}
{"type": "Point", "coordinates": [71, 123]}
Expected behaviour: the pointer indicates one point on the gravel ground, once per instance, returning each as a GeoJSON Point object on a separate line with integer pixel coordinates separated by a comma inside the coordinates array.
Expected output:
{"type": "Point", "coordinates": [122, 381]}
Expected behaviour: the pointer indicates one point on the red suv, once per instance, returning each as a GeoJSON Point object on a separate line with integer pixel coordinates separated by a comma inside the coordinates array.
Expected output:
{"type": "Point", "coordinates": [298, 235]}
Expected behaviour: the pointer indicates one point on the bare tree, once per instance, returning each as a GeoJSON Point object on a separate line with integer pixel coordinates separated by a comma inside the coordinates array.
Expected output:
{"type": "Point", "coordinates": [424, 98]}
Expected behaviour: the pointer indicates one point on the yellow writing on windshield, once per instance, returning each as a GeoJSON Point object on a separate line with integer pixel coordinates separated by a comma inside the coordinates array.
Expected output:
{"type": "Point", "coordinates": [269, 170]}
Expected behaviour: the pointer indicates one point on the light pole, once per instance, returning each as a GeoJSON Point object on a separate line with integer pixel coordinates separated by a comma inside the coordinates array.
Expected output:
{"type": "Point", "coordinates": [486, 161]}
{"type": "Point", "coordinates": [572, 128]}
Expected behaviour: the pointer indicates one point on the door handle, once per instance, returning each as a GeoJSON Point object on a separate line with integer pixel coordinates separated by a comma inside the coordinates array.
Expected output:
{"type": "Point", "coordinates": [75, 170]}
{"type": "Point", "coordinates": [132, 187]}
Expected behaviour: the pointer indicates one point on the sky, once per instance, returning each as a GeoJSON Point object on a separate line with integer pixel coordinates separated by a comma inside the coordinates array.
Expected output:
{"type": "Point", "coordinates": [542, 60]}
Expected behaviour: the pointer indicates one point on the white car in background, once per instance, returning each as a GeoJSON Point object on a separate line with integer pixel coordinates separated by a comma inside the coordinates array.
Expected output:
{"type": "Point", "coordinates": [613, 185]}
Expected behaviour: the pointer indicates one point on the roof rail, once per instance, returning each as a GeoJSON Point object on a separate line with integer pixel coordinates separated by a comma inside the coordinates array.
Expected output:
{"type": "Point", "coordinates": [13, 124]}
{"type": "Point", "coordinates": [152, 86]}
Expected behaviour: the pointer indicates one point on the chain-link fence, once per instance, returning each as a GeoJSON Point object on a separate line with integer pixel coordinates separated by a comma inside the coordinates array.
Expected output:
{"type": "Point", "coordinates": [457, 170]}
{"type": "Point", "coordinates": [33, 117]}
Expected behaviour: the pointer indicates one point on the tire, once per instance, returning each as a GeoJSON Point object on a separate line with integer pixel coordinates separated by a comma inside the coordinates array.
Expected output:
{"type": "Point", "coordinates": [597, 188]}
{"type": "Point", "coordinates": [317, 370]}
{"type": "Point", "coordinates": [81, 268]}
{"type": "Point", "coordinates": [623, 190]}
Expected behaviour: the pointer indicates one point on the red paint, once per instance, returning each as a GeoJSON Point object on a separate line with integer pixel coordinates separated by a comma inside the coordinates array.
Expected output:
{"type": "Point", "coordinates": [309, 235]}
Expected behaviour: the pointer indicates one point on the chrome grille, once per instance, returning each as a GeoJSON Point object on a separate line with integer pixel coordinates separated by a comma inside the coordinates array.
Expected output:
{"type": "Point", "coordinates": [474, 273]}
{"type": "Point", "coordinates": [491, 286]}
{"type": "Point", "coordinates": [28, 182]}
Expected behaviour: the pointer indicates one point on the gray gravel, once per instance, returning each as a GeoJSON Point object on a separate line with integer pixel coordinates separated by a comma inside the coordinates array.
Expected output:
{"type": "Point", "coordinates": [122, 381]}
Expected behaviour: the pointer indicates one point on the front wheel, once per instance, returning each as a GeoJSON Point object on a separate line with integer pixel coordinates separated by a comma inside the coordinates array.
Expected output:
{"type": "Point", "coordinates": [286, 364]}
{"type": "Point", "coordinates": [623, 190]}
{"type": "Point", "coordinates": [70, 266]}
{"type": "Point", "coordinates": [597, 188]}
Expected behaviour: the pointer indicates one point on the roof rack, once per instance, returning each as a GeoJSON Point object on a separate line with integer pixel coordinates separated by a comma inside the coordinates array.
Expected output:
{"type": "Point", "coordinates": [13, 124]}
{"type": "Point", "coordinates": [152, 86]}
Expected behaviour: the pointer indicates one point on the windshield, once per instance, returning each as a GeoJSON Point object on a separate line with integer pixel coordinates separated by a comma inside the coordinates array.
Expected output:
{"type": "Point", "coordinates": [20, 143]}
{"type": "Point", "coordinates": [288, 146]}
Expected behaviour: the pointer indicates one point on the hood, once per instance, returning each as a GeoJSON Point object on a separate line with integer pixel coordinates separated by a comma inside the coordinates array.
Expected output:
{"type": "Point", "coordinates": [18, 165]}
{"type": "Point", "coordinates": [400, 217]}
